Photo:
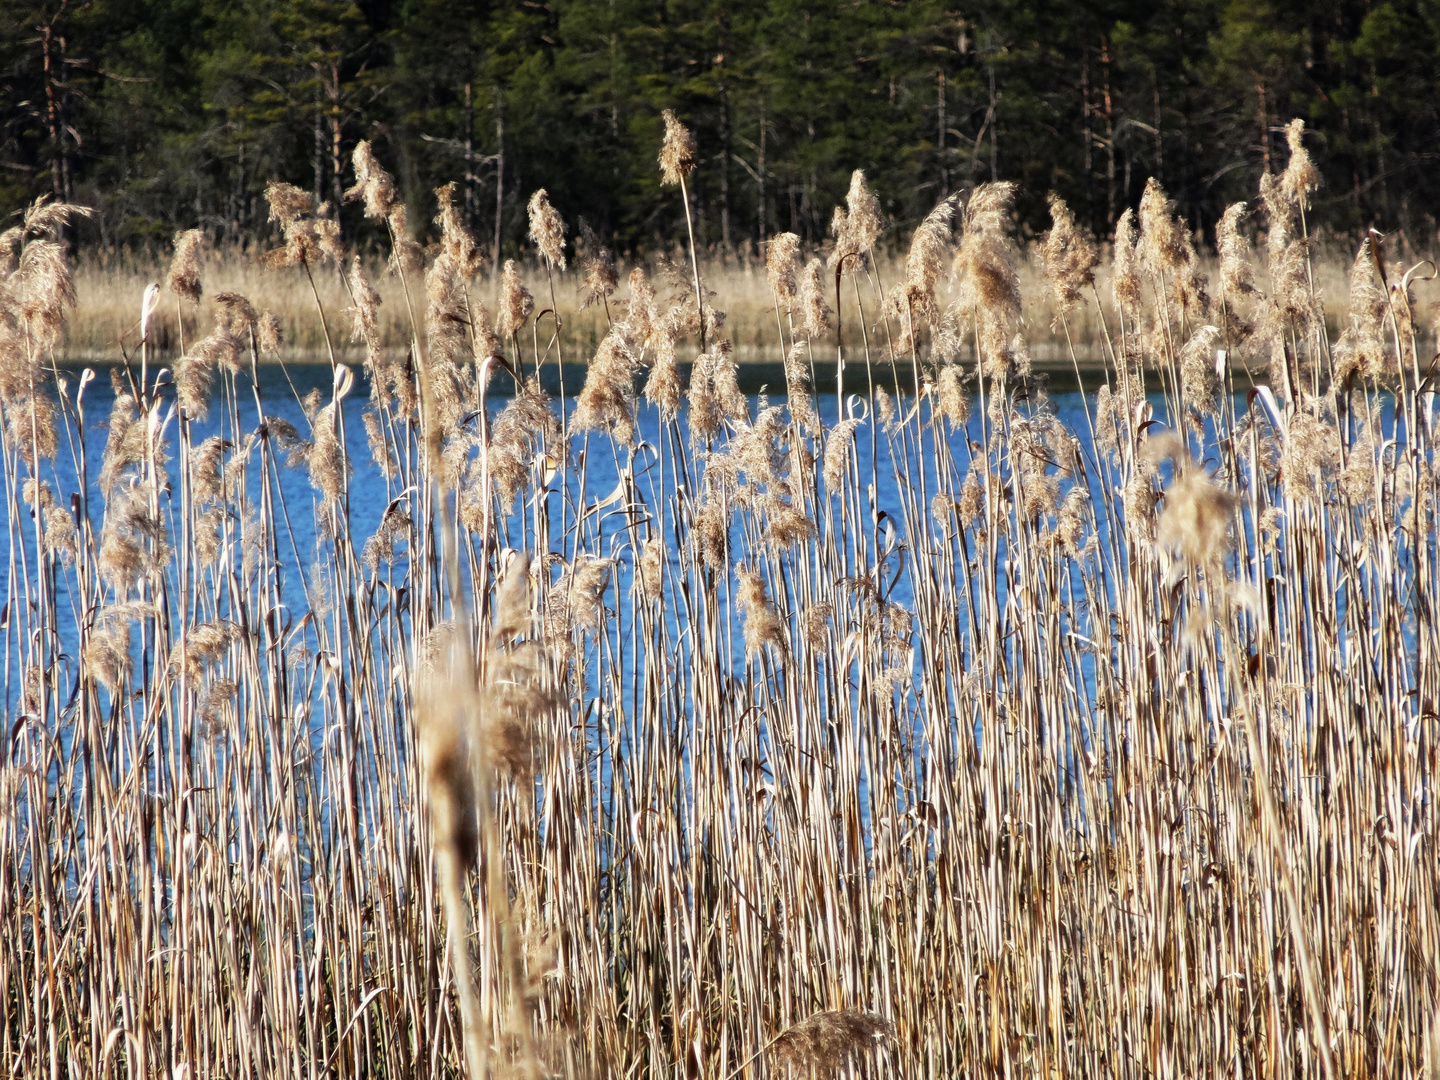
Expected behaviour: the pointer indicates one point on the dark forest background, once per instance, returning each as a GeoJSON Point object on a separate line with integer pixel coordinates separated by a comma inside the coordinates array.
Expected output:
{"type": "Point", "coordinates": [167, 114]}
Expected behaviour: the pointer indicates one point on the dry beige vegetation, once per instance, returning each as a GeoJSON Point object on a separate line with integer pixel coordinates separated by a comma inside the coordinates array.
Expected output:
{"type": "Point", "coordinates": [109, 285]}
{"type": "Point", "coordinates": [1092, 760]}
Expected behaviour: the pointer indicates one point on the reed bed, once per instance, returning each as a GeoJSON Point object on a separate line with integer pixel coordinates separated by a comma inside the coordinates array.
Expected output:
{"type": "Point", "coordinates": [1110, 752]}
{"type": "Point", "coordinates": [107, 282]}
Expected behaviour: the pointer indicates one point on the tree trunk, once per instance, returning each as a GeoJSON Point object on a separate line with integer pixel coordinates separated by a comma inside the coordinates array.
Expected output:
{"type": "Point", "coordinates": [760, 180]}
{"type": "Point", "coordinates": [469, 156]}
{"type": "Point", "coordinates": [499, 174]}
{"type": "Point", "coordinates": [1109, 135]}
{"type": "Point", "coordinates": [724, 167]}
{"type": "Point", "coordinates": [337, 159]}
{"type": "Point", "coordinates": [318, 152]}
{"type": "Point", "coordinates": [940, 139]}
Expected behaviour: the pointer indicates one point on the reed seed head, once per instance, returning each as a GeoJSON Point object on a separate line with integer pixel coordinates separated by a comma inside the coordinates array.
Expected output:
{"type": "Point", "coordinates": [187, 265]}
{"type": "Point", "coordinates": [597, 265]}
{"type": "Point", "coordinates": [642, 318]}
{"type": "Point", "coordinates": [678, 153]}
{"type": "Point", "coordinates": [456, 239]}
{"type": "Point", "coordinates": [547, 228]}
{"type": "Point", "coordinates": [1125, 276]}
{"type": "Point", "coordinates": [1300, 177]}
{"type": "Point", "coordinates": [989, 283]}
{"type": "Point", "coordinates": [951, 401]}
{"type": "Point", "coordinates": [607, 401]}
{"type": "Point", "coordinates": [288, 203]}
{"type": "Point", "coordinates": [1069, 258]}
{"type": "Point", "coordinates": [267, 332]}
{"type": "Point", "coordinates": [365, 324]}
{"type": "Point", "coordinates": [856, 226]}
{"type": "Point", "coordinates": [929, 248]}
{"type": "Point", "coordinates": [1201, 370]}
{"type": "Point", "coordinates": [516, 302]}
{"type": "Point", "coordinates": [782, 267]}
{"type": "Point", "coordinates": [828, 1041]}
{"type": "Point", "coordinates": [1237, 276]}
{"type": "Point", "coordinates": [763, 626]}
{"type": "Point", "coordinates": [372, 183]}
{"type": "Point", "coordinates": [815, 312]}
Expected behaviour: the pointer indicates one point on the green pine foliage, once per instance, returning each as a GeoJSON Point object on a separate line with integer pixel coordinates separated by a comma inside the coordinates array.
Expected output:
{"type": "Point", "coordinates": [175, 113]}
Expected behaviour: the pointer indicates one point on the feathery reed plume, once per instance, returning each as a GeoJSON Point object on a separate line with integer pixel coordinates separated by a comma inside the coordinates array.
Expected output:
{"type": "Point", "coordinates": [446, 710]}
{"type": "Point", "coordinates": [678, 153]}
{"type": "Point", "coordinates": [1237, 276]}
{"type": "Point", "coordinates": [207, 465]}
{"type": "Point", "coordinates": [407, 256]}
{"type": "Point", "coordinates": [662, 387]}
{"type": "Point", "coordinates": [125, 446]}
{"type": "Point", "coordinates": [524, 426]}
{"type": "Point", "coordinates": [372, 183]}
{"type": "Point", "coordinates": [1167, 248]}
{"type": "Point", "coordinates": [1070, 522]}
{"type": "Point", "coordinates": [107, 649]}
{"type": "Point", "coordinates": [1125, 271]}
{"type": "Point", "coordinates": [187, 265]}
{"type": "Point", "coordinates": [365, 314]}
{"type": "Point", "coordinates": [951, 401]}
{"type": "Point", "coordinates": [782, 267]}
{"type": "Point", "coordinates": [521, 693]}
{"type": "Point", "coordinates": [989, 285]}
{"type": "Point", "coordinates": [1361, 348]}
{"type": "Point", "coordinates": [133, 541]}
{"type": "Point", "coordinates": [825, 1043]}
{"type": "Point", "coordinates": [326, 457]}
{"type": "Point", "coordinates": [929, 248]}
{"type": "Point", "coordinates": [327, 237]}
{"type": "Point", "coordinates": [444, 725]}
{"type": "Point", "coordinates": [642, 318]}
{"type": "Point", "coordinates": [195, 371]}
{"type": "Point", "coordinates": [446, 316]}
{"type": "Point", "coordinates": [288, 203]}
{"type": "Point", "coordinates": [547, 228]}
{"type": "Point", "coordinates": [576, 603]}
{"type": "Point", "coordinates": [762, 625]}
{"type": "Point", "coordinates": [32, 429]}
{"type": "Point", "coordinates": [815, 313]}
{"type": "Point", "coordinates": [12, 241]}
{"type": "Point", "coordinates": [267, 332]}
{"type": "Point", "coordinates": [1201, 371]}
{"type": "Point", "coordinates": [235, 314]}
{"type": "Point", "coordinates": [1069, 258]}
{"type": "Point", "coordinates": [487, 343]}
{"type": "Point", "coordinates": [648, 581]}
{"type": "Point", "coordinates": [455, 239]}
{"type": "Point", "coordinates": [516, 302]}
{"type": "Point", "coordinates": [1300, 177]}
{"type": "Point", "coordinates": [714, 393]}
{"type": "Point", "coordinates": [798, 389]}
{"type": "Point", "coordinates": [290, 208]}
{"type": "Point", "coordinates": [598, 267]}
{"type": "Point", "coordinates": [607, 401]}
{"type": "Point", "coordinates": [380, 450]}
{"type": "Point", "coordinates": [49, 217]}
{"type": "Point", "coordinates": [1195, 523]}
{"type": "Point", "coordinates": [45, 288]}
{"type": "Point", "coordinates": [855, 226]}
{"type": "Point", "coordinates": [838, 447]}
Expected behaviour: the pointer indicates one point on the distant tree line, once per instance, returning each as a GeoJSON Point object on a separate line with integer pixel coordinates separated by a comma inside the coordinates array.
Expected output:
{"type": "Point", "coordinates": [168, 114]}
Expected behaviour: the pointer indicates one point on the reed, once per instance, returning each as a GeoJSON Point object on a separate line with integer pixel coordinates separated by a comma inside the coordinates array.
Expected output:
{"type": "Point", "coordinates": [1100, 752]}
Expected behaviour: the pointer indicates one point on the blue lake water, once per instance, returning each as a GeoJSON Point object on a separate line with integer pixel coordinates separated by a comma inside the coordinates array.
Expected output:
{"type": "Point", "coordinates": [589, 479]}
